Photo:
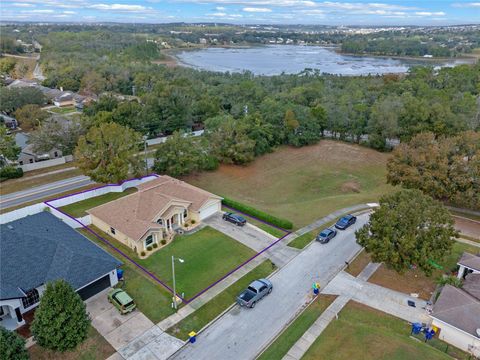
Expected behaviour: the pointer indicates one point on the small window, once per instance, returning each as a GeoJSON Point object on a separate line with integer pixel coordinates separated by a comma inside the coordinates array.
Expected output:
{"type": "Point", "coordinates": [149, 240]}
{"type": "Point", "coordinates": [160, 221]}
{"type": "Point", "coordinates": [55, 154]}
{"type": "Point", "coordinates": [31, 161]}
{"type": "Point", "coordinates": [32, 298]}
{"type": "Point", "coordinates": [112, 230]}
{"type": "Point", "coordinates": [185, 214]}
{"type": "Point", "coordinates": [21, 162]}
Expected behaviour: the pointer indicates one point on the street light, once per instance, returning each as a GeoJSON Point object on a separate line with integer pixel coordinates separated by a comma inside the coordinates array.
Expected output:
{"type": "Point", "coordinates": [145, 137]}
{"type": "Point", "coordinates": [173, 275]}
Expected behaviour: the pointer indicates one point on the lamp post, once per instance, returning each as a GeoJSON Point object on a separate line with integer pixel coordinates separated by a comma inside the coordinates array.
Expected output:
{"type": "Point", "coordinates": [145, 137]}
{"type": "Point", "coordinates": [173, 275]}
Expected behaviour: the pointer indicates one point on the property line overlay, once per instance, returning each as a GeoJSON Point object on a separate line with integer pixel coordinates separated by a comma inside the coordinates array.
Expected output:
{"type": "Point", "coordinates": [143, 269]}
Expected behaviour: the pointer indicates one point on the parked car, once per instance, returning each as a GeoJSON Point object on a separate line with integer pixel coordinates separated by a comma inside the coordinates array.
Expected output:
{"type": "Point", "coordinates": [234, 218]}
{"type": "Point", "coordinates": [345, 222]}
{"type": "Point", "coordinates": [326, 235]}
{"type": "Point", "coordinates": [254, 293]}
{"type": "Point", "coordinates": [121, 300]}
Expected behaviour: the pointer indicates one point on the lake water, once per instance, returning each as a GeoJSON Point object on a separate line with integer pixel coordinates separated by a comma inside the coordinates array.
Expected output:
{"type": "Point", "coordinates": [292, 59]}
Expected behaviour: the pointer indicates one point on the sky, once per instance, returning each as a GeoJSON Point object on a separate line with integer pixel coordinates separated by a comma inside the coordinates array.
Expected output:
{"type": "Point", "coordinates": [357, 12]}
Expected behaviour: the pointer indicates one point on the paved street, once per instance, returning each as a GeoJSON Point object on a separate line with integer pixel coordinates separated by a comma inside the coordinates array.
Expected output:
{"type": "Point", "coordinates": [42, 191]}
{"type": "Point", "coordinates": [242, 333]}
{"type": "Point", "coordinates": [255, 238]}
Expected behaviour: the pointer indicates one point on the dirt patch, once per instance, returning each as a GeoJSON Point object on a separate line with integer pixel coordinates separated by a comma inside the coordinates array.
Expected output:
{"type": "Point", "coordinates": [357, 265]}
{"type": "Point", "coordinates": [350, 187]}
{"type": "Point", "coordinates": [468, 227]}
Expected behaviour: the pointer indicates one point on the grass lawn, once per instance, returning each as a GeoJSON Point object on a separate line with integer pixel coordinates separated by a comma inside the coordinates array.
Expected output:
{"type": "Point", "coordinates": [152, 299]}
{"type": "Point", "coordinates": [303, 240]}
{"type": "Point", "coordinates": [279, 348]}
{"type": "Point", "coordinates": [414, 281]}
{"type": "Point", "coordinates": [62, 110]}
{"type": "Point", "coordinates": [95, 347]}
{"type": "Point", "coordinates": [363, 333]}
{"type": "Point", "coordinates": [79, 209]}
{"type": "Point", "coordinates": [302, 184]}
{"type": "Point", "coordinates": [208, 254]}
{"type": "Point", "coordinates": [357, 265]}
{"type": "Point", "coordinates": [206, 313]}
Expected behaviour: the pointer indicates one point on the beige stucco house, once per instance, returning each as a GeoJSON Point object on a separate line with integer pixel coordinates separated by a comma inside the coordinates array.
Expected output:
{"type": "Point", "coordinates": [155, 212]}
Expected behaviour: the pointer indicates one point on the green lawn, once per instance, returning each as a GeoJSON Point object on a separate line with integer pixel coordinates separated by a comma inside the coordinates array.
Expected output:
{"type": "Point", "coordinates": [303, 240]}
{"type": "Point", "coordinates": [62, 110]}
{"type": "Point", "coordinates": [208, 254]}
{"type": "Point", "coordinates": [362, 333]}
{"type": "Point", "coordinates": [303, 184]}
{"type": "Point", "coordinates": [79, 209]}
{"type": "Point", "coordinates": [95, 347]}
{"type": "Point", "coordinates": [279, 348]}
{"type": "Point", "coordinates": [152, 299]}
{"type": "Point", "coordinates": [219, 303]}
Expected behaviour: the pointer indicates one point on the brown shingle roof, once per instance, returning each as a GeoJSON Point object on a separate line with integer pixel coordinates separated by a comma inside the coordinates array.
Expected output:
{"type": "Point", "coordinates": [459, 309]}
{"type": "Point", "coordinates": [133, 214]}
{"type": "Point", "coordinates": [472, 285]}
{"type": "Point", "coordinates": [471, 261]}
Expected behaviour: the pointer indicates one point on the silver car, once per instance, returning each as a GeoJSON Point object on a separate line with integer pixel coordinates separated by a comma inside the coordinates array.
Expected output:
{"type": "Point", "coordinates": [255, 292]}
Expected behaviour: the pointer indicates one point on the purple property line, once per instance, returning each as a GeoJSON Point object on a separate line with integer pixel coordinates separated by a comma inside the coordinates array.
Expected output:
{"type": "Point", "coordinates": [185, 301]}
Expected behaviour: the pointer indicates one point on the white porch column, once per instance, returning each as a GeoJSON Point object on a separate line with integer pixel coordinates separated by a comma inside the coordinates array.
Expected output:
{"type": "Point", "coordinates": [179, 216]}
{"type": "Point", "coordinates": [461, 271]}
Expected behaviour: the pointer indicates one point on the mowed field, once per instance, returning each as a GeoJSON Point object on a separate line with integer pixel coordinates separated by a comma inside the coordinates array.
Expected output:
{"type": "Point", "coordinates": [303, 184]}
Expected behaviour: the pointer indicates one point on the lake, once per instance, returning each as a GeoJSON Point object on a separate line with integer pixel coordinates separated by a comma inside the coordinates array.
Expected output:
{"type": "Point", "coordinates": [292, 59]}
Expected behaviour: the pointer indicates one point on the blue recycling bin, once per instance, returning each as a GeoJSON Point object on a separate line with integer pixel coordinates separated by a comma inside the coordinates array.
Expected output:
{"type": "Point", "coordinates": [119, 274]}
{"type": "Point", "coordinates": [192, 337]}
{"type": "Point", "coordinates": [416, 328]}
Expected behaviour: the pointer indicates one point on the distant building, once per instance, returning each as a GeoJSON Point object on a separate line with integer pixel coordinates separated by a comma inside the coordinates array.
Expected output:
{"type": "Point", "coordinates": [9, 121]}
{"type": "Point", "coordinates": [202, 41]}
{"type": "Point", "coordinates": [428, 56]}
{"type": "Point", "coordinates": [65, 99]}
{"type": "Point", "coordinates": [29, 156]}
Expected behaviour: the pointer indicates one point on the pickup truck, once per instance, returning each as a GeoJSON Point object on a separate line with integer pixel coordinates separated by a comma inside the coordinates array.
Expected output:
{"type": "Point", "coordinates": [255, 292]}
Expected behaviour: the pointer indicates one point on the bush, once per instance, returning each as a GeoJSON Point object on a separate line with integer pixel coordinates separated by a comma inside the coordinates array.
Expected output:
{"type": "Point", "coordinates": [142, 253]}
{"type": "Point", "coordinates": [193, 221]}
{"type": "Point", "coordinates": [282, 223]}
{"type": "Point", "coordinates": [61, 320]}
{"type": "Point", "coordinates": [10, 172]}
{"type": "Point", "coordinates": [12, 346]}
{"type": "Point", "coordinates": [163, 241]}
{"type": "Point", "coordinates": [155, 245]}
{"type": "Point", "coordinates": [149, 248]}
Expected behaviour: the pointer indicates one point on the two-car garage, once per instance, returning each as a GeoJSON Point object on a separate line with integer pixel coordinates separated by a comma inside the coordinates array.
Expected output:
{"type": "Point", "coordinates": [211, 207]}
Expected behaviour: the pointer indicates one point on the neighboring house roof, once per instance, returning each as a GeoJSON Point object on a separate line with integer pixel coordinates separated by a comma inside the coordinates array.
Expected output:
{"type": "Point", "coordinates": [471, 261]}
{"type": "Point", "coordinates": [134, 214]}
{"type": "Point", "coordinates": [471, 285]}
{"type": "Point", "coordinates": [40, 248]}
{"type": "Point", "coordinates": [64, 97]}
{"type": "Point", "coordinates": [459, 309]}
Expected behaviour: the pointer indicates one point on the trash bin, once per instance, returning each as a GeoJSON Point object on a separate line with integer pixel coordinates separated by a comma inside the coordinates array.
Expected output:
{"type": "Point", "coordinates": [119, 274]}
{"type": "Point", "coordinates": [416, 328]}
{"type": "Point", "coordinates": [192, 337]}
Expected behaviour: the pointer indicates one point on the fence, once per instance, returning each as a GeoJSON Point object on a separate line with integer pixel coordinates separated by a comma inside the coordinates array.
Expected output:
{"type": "Point", "coordinates": [46, 163]}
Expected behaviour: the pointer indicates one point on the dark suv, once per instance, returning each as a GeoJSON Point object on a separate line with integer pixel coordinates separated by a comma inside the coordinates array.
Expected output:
{"type": "Point", "coordinates": [345, 222]}
{"type": "Point", "coordinates": [234, 218]}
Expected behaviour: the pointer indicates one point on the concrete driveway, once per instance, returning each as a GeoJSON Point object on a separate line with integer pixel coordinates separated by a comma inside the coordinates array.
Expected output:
{"type": "Point", "coordinates": [253, 237]}
{"type": "Point", "coordinates": [242, 333]}
{"type": "Point", "coordinates": [118, 330]}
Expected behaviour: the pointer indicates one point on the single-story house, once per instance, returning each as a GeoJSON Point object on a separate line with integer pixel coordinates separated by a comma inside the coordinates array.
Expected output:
{"type": "Point", "coordinates": [8, 121]}
{"type": "Point", "coordinates": [456, 313]}
{"type": "Point", "coordinates": [468, 263]}
{"type": "Point", "coordinates": [64, 99]}
{"type": "Point", "coordinates": [155, 212]}
{"type": "Point", "coordinates": [40, 248]}
{"type": "Point", "coordinates": [29, 156]}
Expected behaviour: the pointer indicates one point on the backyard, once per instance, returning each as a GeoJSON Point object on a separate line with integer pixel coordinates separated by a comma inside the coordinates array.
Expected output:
{"type": "Point", "coordinates": [365, 333]}
{"type": "Point", "coordinates": [302, 184]}
{"type": "Point", "coordinates": [79, 208]}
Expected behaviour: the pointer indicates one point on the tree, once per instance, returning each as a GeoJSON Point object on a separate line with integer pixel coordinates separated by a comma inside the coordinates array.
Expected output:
{"type": "Point", "coordinates": [182, 154]}
{"type": "Point", "coordinates": [108, 153]}
{"type": "Point", "coordinates": [12, 346]}
{"type": "Point", "coordinates": [57, 132]}
{"type": "Point", "coordinates": [61, 321]}
{"type": "Point", "coordinates": [319, 114]}
{"type": "Point", "coordinates": [409, 228]}
{"type": "Point", "coordinates": [30, 116]}
{"type": "Point", "coordinates": [7, 65]}
{"type": "Point", "coordinates": [92, 83]}
{"type": "Point", "coordinates": [12, 99]}
{"type": "Point", "coordinates": [8, 148]}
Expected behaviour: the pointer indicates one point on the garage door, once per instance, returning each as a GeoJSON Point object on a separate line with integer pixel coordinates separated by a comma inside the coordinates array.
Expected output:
{"type": "Point", "coordinates": [209, 210]}
{"type": "Point", "coordinates": [94, 288]}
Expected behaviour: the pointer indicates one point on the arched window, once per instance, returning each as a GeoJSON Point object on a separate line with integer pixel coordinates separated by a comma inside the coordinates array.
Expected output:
{"type": "Point", "coordinates": [149, 240]}
{"type": "Point", "coordinates": [32, 298]}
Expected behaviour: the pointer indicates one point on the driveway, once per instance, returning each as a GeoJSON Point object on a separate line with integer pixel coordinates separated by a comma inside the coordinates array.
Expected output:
{"type": "Point", "coordinates": [242, 333]}
{"type": "Point", "coordinates": [255, 238]}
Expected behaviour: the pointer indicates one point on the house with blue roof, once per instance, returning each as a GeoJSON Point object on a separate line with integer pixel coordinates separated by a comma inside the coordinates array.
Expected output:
{"type": "Point", "coordinates": [40, 248]}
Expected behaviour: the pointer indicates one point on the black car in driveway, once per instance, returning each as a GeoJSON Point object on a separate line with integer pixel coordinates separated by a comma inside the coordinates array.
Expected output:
{"type": "Point", "coordinates": [326, 235]}
{"type": "Point", "coordinates": [345, 222]}
{"type": "Point", "coordinates": [234, 218]}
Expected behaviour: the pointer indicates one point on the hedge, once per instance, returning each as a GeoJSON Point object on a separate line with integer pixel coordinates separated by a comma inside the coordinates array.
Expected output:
{"type": "Point", "coordinates": [9, 172]}
{"type": "Point", "coordinates": [282, 223]}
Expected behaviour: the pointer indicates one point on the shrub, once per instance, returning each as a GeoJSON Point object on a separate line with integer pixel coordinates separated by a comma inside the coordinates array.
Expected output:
{"type": "Point", "coordinates": [61, 321]}
{"type": "Point", "coordinates": [12, 346]}
{"type": "Point", "coordinates": [282, 223]}
{"type": "Point", "coordinates": [163, 241]}
{"type": "Point", "coordinates": [10, 172]}
{"type": "Point", "coordinates": [142, 253]}
{"type": "Point", "coordinates": [155, 245]}
{"type": "Point", "coordinates": [193, 221]}
{"type": "Point", "coordinates": [149, 248]}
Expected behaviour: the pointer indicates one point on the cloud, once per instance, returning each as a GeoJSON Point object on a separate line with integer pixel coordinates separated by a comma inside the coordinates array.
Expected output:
{"type": "Point", "coordinates": [256, 10]}
{"type": "Point", "coordinates": [118, 7]}
{"type": "Point", "coordinates": [429, 13]}
{"type": "Point", "coordinates": [467, 5]}
{"type": "Point", "coordinates": [220, 8]}
{"type": "Point", "coordinates": [218, 14]}
{"type": "Point", "coordinates": [22, 5]}
{"type": "Point", "coordinates": [40, 11]}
